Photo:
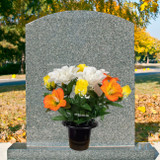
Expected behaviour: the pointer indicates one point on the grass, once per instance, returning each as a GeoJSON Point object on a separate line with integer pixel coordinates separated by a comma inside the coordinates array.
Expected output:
{"type": "Point", "coordinates": [150, 65]}
{"type": "Point", "coordinates": [147, 132]}
{"type": "Point", "coordinates": [18, 76]}
{"type": "Point", "coordinates": [147, 124]}
{"type": "Point", "coordinates": [148, 84]}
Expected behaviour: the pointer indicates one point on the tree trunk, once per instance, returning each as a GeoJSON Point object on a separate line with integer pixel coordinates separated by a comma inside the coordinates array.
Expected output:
{"type": "Point", "coordinates": [22, 63]}
{"type": "Point", "coordinates": [147, 58]}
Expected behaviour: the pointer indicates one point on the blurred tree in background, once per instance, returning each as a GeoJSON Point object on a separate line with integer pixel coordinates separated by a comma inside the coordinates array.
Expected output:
{"type": "Point", "coordinates": [14, 14]}
{"type": "Point", "coordinates": [145, 45]}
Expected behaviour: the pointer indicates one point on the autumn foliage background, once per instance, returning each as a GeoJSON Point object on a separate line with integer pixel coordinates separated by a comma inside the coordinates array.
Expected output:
{"type": "Point", "coordinates": [16, 13]}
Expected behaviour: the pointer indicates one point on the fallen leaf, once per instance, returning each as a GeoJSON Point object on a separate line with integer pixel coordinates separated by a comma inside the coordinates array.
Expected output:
{"type": "Point", "coordinates": [142, 109]}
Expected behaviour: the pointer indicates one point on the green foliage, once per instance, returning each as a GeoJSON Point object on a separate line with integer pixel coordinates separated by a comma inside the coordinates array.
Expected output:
{"type": "Point", "coordinates": [83, 110]}
{"type": "Point", "coordinates": [48, 110]}
{"type": "Point", "coordinates": [45, 94]}
{"type": "Point", "coordinates": [86, 107]}
{"type": "Point", "coordinates": [68, 88]}
{"type": "Point", "coordinates": [12, 45]}
{"type": "Point", "coordinates": [59, 118]}
{"type": "Point", "coordinates": [10, 68]}
{"type": "Point", "coordinates": [115, 104]}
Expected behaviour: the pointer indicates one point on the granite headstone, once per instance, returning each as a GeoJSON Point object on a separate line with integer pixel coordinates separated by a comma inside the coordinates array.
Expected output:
{"type": "Point", "coordinates": [70, 38]}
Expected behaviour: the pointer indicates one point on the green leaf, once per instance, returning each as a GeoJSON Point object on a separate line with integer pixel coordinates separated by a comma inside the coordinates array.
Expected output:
{"type": "Point", "coordinates": [45, 94]}
{"type": "Point", "coordinates": [86, 107]}
{"type": "Point", "coordinates": [59, 118]}
{"type": "Point", "coordinates": [115, 104]}
{"type": "Point", "coordinates": [102, 111]}
{"type": "Point", "coordinates": [70, 100]}
{"type": "Point", "coordinates": [81, 120]}
{"type": "Point", "coordinates": [119, 100]}
{"type": "Point", "coordinates": [92, 101]}
{"type": "Point", "coordinates": [102, 117]}
{"type": "Point", "coordinates": [63, 112]}
{"type": "Point", "coordinates": [77, 99]}
{"type": "Point", "coordinates": [76, 108]}
{"type": "Point", "coordinates": [82, 100]}
{"type": "Point", "coordinates": [92, 94]}
{"type": "Point", "coordinates": [48, 110]}
{"type": "Point", "coordinates": [70, 86]}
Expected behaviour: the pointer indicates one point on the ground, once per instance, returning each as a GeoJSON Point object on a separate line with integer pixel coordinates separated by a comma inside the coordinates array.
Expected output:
{"type": "Point", "coordinates": [18, 76]}
{"type": "Point", "coordinates": [147, 108]}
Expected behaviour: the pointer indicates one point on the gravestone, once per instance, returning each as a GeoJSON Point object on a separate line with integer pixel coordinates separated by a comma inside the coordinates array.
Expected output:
{"type": "Point", "coordinates": [70, 38]}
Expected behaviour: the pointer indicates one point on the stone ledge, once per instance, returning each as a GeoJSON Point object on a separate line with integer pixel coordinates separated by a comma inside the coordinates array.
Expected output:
{"type": "Point", "coordinates": [141, 151]}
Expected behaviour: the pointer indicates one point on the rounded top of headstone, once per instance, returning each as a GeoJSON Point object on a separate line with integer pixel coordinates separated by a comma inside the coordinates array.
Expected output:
{"type": "Point", "coordinates": [79, 14]}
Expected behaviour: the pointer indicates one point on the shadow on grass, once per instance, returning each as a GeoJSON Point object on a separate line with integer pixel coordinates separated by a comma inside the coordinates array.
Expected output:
{"type": "Point", "coordinates": [145, 130]}
{"type": "Point", "coordinates": [148, 79]}
{"type": "Point", "coordinates": [12, 88]}
{"type": "Point", "coordinates": [152, 67]}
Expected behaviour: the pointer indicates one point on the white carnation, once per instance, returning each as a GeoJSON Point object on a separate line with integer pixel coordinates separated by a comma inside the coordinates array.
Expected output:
{"type": "Point", "coordinates": [92, 75]}
{"type": "Point", "coordinates": [63, 75]}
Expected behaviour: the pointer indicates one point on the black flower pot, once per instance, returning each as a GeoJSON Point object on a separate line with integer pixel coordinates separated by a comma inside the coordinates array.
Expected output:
{"type": "Point", "coordinates": [79, 135]}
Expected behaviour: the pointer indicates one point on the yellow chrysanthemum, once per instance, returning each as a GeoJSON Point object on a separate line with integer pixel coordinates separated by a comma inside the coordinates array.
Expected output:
{"type": "Point", "coordinates": [81, 67]}
{"type": "Point", "coordinates": [81, 87]}
{"type": "Point", "coordinates": [49, 85]}
{"type": "Point", "coordinates": [126, 91]}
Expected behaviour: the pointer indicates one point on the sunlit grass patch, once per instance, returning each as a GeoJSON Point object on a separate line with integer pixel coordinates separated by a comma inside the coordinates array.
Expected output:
{"type": "Point", "coordinates": [148, 84]}
{"type": "Point", "coordinates": [18, 76]}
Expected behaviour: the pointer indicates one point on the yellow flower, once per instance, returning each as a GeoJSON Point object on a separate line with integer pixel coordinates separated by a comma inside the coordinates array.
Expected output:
{"type": "Point", "coordinates": [49, 85]}
{"type": "Point", "coordinates": [81, 87]}
{"type": "Point", "coordinates": [142, 109]}
{"type": "Point", "coordinates": [126, 91]}
{"type": "Point", "coordinates": [13, 76]}
{"type": "Point", "coordinates": [81, 67]}
{"type": "Point", "coordinates": [45, 79]}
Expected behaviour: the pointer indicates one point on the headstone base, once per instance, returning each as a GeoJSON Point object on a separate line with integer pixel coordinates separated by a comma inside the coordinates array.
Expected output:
{"type": "Point", "coordinates": [141, 151]}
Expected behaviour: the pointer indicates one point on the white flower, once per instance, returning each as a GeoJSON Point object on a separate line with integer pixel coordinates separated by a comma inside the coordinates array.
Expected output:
{"type": "Point", "coordinates": [92, 75]}
{"type": "Point", "coordinates": [63, 75]}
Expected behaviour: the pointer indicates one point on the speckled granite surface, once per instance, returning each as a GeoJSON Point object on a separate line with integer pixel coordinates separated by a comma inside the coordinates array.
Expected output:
{"type": "Point", "coordinates": [69, 38]}
{"type": "Point", "coordinates": [142, 151]}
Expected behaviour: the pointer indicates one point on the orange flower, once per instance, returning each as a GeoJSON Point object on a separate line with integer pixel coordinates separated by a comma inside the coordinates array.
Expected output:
{"type": "Point", "coordinates": [108, 77]}
{"type": "Point", "coordinates": [55, 100]}
{"type": "Point", "coordinates": [112, 89]}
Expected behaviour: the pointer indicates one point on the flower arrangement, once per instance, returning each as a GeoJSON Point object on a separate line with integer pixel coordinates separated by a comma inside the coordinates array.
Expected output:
{"type": "Point", "coordinates": [82, 93]}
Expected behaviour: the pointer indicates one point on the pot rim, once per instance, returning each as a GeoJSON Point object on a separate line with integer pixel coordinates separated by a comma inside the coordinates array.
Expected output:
{"type": "Point", "coordinates": [92, 124]}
